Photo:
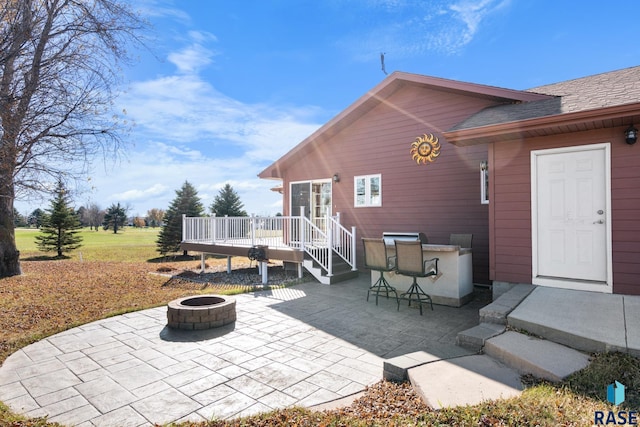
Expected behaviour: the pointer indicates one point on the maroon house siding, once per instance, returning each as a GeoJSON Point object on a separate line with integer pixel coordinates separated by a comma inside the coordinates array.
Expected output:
{"type": "Point", "coordinates": [510, 207]}
{"type": "Point", "coordinates": [625, 206]}
{"type": "Point", "coordinates": [438, 198]}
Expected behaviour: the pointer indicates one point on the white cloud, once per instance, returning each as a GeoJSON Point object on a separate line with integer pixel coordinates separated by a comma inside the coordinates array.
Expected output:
{"type": "Point", "coordinates": [160, 8]}
{"type": "Point", "coordinates": [129, 182]}
{"type": "Point", "coordinates": [181, 152]}
{"type": "Point", "coordinates": [408, 28]}
{"type": "Point", "coordinates": [196, 55]}
{"type": "Point", "coordinates": [472, 12]}
{"type": "Point", "coordinates": [185, 129]}
{"type": "Point", "coordinates": [135, 194]}
{"type": "Point", "coordinates": [202, 36]}
{"type": "Point", "coordinates": [181, 110]}
{"type": "Point", "coordinates": [191, 58]}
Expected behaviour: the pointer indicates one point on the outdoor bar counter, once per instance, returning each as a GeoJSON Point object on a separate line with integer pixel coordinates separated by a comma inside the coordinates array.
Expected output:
{"type": "Point", "coordinates": [453, 286]}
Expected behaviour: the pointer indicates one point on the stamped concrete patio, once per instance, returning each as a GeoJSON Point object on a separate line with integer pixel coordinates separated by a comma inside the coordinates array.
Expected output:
{"type": "Point", "coordinates": [303, 345]}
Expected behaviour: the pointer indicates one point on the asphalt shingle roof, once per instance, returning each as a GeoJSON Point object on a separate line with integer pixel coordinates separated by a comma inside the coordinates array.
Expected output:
{"type": "Point", "coordinates": [588, 93]}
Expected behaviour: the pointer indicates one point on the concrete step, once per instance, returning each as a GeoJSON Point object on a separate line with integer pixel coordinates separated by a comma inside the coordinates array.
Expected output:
{"type": "Point", "coordinates": [467, 380]}
{"type": "Point", "coordinates": [498, 310]}
{"type": "Point", "coordinates": [343, 276]}
{"type": "Point", "coordinates": [341, 271]}
{"type": "Point", "coordinates": [587, 321]}
{"type": "Point", "coordinates": [530, 355]}
{"type": "Point", "coordinates": [475, 338]}
{"type": "Point", "coordinates": [397, 368]}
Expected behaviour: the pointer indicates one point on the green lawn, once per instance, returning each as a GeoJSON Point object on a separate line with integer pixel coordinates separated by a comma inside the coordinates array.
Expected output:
{"type": "Point", "coordinates": [129, 245]}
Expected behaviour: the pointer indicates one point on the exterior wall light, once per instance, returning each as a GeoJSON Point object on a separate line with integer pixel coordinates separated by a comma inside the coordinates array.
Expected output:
{"type": "Point", "coordinates": [631, 135]}
{"type": "Point", "coordinates": [336, 177]}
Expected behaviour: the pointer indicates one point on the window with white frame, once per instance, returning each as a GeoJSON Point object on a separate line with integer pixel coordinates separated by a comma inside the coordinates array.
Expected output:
{"type": "Point", "coordinates": [484, 182]}
{"type": "Point", "coordinates": [367, 190]}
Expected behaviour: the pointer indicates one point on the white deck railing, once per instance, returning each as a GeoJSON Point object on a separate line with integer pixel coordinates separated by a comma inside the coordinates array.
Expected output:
{"type": "Point", "coordinates": [277, 232]}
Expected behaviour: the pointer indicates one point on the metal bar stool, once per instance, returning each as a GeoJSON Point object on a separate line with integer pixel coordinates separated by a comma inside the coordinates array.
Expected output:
{"type": "Point", "coordinates": [410, 262]}
{"type": "Point", "coordinates": [376, 258]}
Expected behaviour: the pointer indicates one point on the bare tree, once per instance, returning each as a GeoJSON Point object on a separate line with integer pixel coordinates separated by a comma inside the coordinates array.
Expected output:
{"type": "Point", "coordinates": [155, 217]}
{"type": "Point", "coordinates": [93, 216]}
{"type": "Point", "coordinates": [59, 70]}
{"type": "Point", "coordinates": [139, 222]}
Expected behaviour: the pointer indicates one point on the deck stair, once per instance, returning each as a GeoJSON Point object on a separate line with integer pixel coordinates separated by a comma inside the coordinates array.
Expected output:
{"type": "Point", "coordinates": [341, 270]}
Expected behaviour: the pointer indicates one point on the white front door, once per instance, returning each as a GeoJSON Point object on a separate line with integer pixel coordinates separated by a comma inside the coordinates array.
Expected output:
{"type": "Point", "coordinates": [571, 227]}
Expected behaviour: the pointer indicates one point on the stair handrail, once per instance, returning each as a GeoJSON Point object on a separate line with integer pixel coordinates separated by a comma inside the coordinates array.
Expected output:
{"type": "Point", "coordinates": [343, 241]}
{"type": "Point", "coordinates": [338, 240]}
{"type": "Point", "coordinates": [309, 234]}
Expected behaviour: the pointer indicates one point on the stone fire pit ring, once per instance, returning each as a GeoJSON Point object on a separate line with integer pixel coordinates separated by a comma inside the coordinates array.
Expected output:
{"type": "Point", "coordinates": [201, 312]}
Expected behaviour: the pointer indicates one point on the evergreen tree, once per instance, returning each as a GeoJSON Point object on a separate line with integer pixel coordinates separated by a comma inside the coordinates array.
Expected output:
{"type": "Point", "coordinates": [186, 203]}
{"type": "Point", "coordinates": [35, 219]}
{"type": "Point", "coordinates": [227, 202]}
{"type": "Point", "coordinates": [82, 215]}
{"type": "Point", "coordinates": [114, 217]}
{"type": "Point", "coordinates": [18, 219]}
{"type": "Point", "coordinates": [60, 225]}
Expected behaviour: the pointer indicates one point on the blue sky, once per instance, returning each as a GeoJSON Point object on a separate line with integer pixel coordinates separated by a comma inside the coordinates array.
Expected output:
{"type": "Point", "coordinates": [230, 86]}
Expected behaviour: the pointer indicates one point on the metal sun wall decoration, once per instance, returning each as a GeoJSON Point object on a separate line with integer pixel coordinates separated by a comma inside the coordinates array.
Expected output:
{"type": "Point", "coordinates": [425, 148]}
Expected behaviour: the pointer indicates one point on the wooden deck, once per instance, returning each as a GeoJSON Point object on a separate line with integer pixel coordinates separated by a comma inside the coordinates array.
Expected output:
{"type": "Point", "coordinates": [324, 251]}
{"type": "Point", "coordinates": [279, 253]}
